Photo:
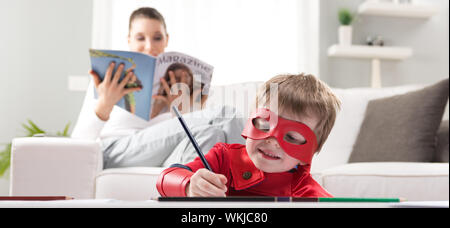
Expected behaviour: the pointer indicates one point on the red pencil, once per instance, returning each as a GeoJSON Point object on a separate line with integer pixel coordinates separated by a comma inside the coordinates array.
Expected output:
{"type": "Point", "coordinates": [35, 198]}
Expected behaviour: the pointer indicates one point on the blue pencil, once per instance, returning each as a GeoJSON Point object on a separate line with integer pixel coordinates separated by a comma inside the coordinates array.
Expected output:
{"type": "Point", "coordinates": [191, 137]}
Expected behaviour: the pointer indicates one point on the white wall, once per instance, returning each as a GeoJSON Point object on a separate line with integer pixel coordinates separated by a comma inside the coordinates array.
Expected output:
{"type": "Point", "coordinates": [42, 42]}
{"type": "Point", "coordinates": [429, 40]}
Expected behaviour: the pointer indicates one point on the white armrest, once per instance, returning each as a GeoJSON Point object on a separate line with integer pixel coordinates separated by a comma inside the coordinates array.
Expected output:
{"type": "Point", "coordinates": [54, 166]}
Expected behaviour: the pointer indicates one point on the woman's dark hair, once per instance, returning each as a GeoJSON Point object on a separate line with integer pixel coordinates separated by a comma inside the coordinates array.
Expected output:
{"type": "Point", "coordinates": [147, 12]}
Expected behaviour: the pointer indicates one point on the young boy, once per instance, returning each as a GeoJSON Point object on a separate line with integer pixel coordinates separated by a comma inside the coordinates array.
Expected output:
{"type": "Point", "coordinates": [279, 147]}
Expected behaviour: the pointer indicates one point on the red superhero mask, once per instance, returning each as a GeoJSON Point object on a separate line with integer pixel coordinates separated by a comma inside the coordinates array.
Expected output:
{"type": "Point", "coordinates": [296, 139]}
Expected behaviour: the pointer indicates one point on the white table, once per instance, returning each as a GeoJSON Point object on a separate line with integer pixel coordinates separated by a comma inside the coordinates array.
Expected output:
{"type": "Point", "coordinates": [109, 203]}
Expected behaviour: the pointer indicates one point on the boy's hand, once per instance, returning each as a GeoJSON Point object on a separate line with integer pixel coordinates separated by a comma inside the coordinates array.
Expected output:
{"type": "Point", "coordinates": [207, 184]}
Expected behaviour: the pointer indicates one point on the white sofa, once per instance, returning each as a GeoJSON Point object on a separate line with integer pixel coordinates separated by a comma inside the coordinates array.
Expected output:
{"type": "Point", "coordinates": [64, 166]}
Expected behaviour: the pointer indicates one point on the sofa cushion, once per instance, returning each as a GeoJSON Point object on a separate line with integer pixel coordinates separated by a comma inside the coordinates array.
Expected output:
{"type": "Point", "coordinates": [338, 147]}
{"type": "Point", "coordinates": [413, 181]}
{"type": "Point", "coordinates": [402, 127]}
{"type": "Point", "coordinates": [136, 183]}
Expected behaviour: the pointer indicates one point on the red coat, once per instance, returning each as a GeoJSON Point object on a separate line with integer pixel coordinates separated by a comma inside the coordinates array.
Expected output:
{"type": "Point", "coordinates": [244, 179]}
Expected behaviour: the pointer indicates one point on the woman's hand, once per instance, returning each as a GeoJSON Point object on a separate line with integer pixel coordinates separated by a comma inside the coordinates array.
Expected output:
{"type": "Point", "coordinates": [205, 183]}
{"type": "Point", "coordinates": [164, 101]}
{"type": "Point", "coordinates": [110, 90]}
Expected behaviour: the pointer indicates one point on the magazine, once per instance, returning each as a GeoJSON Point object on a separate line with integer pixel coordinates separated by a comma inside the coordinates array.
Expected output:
{"type": "Point", "coordinates": [148, 71]}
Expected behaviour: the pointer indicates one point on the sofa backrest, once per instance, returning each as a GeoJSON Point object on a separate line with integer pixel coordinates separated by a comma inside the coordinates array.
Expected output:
{"type": "Point", "coordinates": [337, 149]}
{"type": "Point", "coordinates": [241, 96]}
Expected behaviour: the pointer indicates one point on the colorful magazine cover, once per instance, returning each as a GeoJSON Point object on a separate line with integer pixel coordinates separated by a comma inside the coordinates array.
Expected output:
{"type": "Point", "coordinates": [148, 71]}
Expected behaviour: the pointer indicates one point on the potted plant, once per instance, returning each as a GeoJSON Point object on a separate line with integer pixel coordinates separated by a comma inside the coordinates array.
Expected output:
{"type": "Point", "coordinates": [345, 30]}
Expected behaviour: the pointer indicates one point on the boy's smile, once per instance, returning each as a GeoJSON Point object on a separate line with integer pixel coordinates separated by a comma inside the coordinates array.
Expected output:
{"type": "Point", "coordinates": [267, 154]}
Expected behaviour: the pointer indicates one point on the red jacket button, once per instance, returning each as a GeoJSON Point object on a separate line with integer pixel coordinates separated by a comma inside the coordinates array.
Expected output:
{"type": "Point", "coordinates": [247, 175]}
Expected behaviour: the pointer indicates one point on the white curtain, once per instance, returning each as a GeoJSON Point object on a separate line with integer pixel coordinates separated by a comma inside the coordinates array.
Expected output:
{"type": "Point", "coordinates": [245, 40]}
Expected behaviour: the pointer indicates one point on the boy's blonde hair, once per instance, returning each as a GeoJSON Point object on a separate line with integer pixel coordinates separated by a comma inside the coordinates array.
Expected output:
{"type": "Point", "coordinates": [303, 95]}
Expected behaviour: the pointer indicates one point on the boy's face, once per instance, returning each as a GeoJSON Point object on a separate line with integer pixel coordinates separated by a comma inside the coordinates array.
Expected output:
{"type": "Point", "coordinates": [267, 154]}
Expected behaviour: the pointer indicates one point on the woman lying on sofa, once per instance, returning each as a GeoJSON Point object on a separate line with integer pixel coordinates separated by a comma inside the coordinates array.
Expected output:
{"type": "Point", "coordinates": [129, 141]}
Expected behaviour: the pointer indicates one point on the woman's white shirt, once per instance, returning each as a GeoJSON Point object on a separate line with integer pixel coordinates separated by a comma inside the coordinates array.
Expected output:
{"type": "Point", "coordinates": [120, 123]}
